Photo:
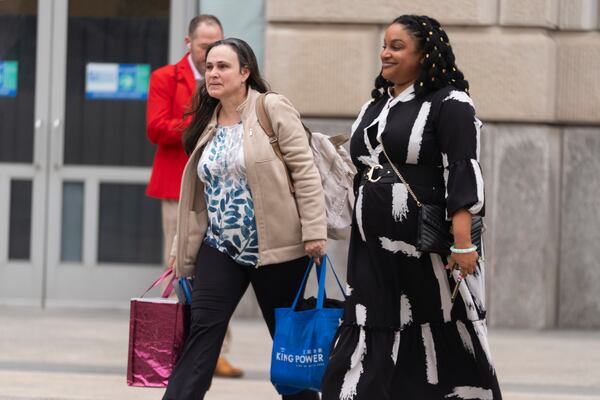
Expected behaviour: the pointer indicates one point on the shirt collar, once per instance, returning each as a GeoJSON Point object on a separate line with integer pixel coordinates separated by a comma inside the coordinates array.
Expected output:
{"type": "Point", "coordinates": [197, 74]}
{"type": "Point", "coordinates": [406, 95]}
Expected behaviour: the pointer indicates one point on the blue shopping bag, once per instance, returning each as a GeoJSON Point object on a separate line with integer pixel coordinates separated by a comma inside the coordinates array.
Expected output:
{"type": "Point", "coordinates": [303, 339]}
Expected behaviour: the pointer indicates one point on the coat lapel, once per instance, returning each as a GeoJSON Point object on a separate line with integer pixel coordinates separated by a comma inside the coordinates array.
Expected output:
{"type": "Point", "coordinates": [185, 74]}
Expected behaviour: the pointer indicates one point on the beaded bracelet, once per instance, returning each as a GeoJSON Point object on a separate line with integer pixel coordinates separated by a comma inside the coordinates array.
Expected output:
{"type": "Point", "coordinates": [463, 251]}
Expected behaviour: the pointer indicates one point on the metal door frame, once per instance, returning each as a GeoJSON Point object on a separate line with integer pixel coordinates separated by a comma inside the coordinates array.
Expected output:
{"type": "Point", "coordinates": [22, 282]}
{"type": "Point", "coordinates": [45, 280]}
{"type": "Point", "coordinates": [67, 283]}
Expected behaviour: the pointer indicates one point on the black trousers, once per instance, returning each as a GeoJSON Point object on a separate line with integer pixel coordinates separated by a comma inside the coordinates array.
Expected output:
{"type": "Point", "coordinates": [218, 287]}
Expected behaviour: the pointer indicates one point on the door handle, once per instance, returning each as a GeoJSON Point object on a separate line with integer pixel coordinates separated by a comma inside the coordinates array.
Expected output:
{"type": "Point", "coordinates": [37, 125]}
{"type": "Point", "coordinates": [57, 144]}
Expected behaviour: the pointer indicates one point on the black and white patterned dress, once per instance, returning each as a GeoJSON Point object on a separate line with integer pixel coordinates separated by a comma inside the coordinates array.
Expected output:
{"type": "Point", "coordinates": [401, 337]}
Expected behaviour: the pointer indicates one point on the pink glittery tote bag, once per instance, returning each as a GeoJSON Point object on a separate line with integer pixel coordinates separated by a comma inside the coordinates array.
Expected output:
{"type": "Point", "coordinates": [157, 332]}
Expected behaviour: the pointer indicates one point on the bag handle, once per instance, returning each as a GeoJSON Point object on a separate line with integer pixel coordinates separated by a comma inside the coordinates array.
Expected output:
{"type": "Point", "coordinates": [320, 268]}
{"type": "Point", "coordinates": [336, 277]}
{"type": "Point", "coordinates": [265, 123]}
{"type": "Point", "coordinates": [321, 288]}
{"type": "Point", "coordinates": [338, 140]}
{"type": "Point", "coordinates": [167, 292]}
{"type": "Point", "coordinates": [321, 282]}
{"type": "Point", "coordinates": [308, 268]}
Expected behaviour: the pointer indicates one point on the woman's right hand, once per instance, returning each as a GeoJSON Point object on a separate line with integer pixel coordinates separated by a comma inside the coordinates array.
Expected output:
{"type": "Point", "coordinates": [171, 263]}
{"type": "Point", "coordinates": [315, 249]}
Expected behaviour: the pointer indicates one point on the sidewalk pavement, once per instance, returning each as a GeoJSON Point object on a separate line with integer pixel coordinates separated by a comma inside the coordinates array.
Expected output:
{"type": "Point", "coordinates": [77, 355]}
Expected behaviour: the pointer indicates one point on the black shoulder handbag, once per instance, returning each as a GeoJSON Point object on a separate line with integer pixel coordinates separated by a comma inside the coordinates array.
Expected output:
{"type": "Point", "coordinates": [434, 232]}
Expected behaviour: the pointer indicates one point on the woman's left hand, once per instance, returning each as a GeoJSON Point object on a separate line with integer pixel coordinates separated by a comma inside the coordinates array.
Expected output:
{"type": "Point", "coordinates": [315, 249]}
{"type": "Point", "coordinates": [465, 261]}
{"type": "Point", "coordinates": [461, 228]}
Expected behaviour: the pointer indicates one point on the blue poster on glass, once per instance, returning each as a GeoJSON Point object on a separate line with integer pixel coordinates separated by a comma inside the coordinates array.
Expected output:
{"type": "Point", "coordinates": [117, 81]}
{"type": "Point", "coordinates": [9, 74]}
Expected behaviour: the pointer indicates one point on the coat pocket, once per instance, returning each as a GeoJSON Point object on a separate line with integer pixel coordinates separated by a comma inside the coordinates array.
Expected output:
{"type": "Point", "coordinates": [280, 212]}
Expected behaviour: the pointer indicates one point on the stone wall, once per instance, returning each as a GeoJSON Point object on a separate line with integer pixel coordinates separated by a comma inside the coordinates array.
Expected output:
{"type": "Point", "coordinates": [533, 69]}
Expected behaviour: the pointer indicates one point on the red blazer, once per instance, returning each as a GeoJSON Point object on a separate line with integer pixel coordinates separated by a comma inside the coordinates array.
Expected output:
{"type": "Point", "coordinates": [169, 97]}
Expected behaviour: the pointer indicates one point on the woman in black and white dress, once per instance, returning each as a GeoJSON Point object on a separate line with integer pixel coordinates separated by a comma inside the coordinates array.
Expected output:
{"type": "Point", "coordinates": [402, 337]}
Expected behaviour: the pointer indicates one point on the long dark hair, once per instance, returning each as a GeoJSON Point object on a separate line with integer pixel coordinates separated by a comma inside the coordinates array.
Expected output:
{"type": "Point", "coordinates": [439, 65]}
{"type": "Point", "coordinates": [203, 105]}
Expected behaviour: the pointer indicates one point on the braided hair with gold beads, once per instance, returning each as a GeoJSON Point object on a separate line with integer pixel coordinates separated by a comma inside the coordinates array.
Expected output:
{"type": "Point", "coordinates": [439, 65]}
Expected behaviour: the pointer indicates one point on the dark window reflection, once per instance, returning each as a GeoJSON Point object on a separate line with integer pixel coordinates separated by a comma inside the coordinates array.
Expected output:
{"type": "Point", "coordinates": [18, 30]}
{"type": "Point", "coordinates": [71, 248]}
{"type": "Point", "coordinates": [19, 242]}
{"type": "Point", "coordinates": [130, 227]}
{"type": "Point", "coordinates": [111, 132]}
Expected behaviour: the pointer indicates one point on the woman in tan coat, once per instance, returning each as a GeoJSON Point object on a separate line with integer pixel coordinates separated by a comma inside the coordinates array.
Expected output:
{"type": "Point", "coordinates": [238, 221]}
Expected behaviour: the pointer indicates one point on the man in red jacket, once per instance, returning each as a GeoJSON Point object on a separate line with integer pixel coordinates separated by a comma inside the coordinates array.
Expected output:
{"type": "Point", "coordinates": [169, 97]}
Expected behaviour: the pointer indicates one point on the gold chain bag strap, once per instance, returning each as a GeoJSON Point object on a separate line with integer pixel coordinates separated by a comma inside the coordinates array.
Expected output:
{"type": "Point", "coordinates": [434, 232]}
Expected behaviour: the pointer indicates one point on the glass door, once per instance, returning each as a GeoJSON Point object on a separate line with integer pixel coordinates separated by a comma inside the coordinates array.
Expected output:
{"type": "Point", "coordinates": [23, 156]}
{"type": "Point", "coordinates": [104, 233]}
{"type": "Point", "coordinates": [76, 227]}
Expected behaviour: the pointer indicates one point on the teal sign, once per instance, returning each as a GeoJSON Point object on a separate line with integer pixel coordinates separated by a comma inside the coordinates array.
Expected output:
{"type": "Point", "coordinates": [117, 81]}
{"type": "Point", "coordinates": [9, 74]}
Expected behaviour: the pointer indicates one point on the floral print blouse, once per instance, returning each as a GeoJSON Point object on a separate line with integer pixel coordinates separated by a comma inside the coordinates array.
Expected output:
{"type": "Point", "coordinates": [222, 169]}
